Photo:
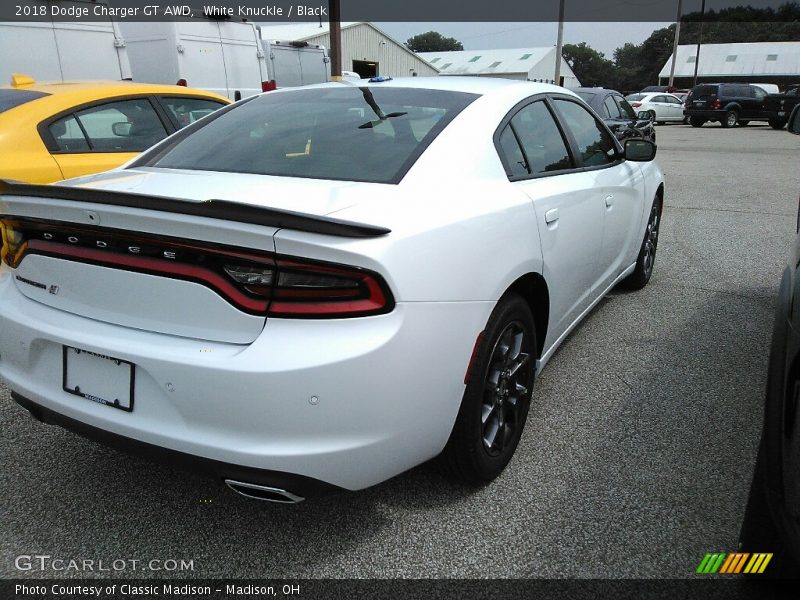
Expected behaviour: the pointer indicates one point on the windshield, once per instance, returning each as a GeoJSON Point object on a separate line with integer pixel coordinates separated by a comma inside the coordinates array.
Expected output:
{"type": "Point", "coordinates": [634, 97]}
{"type": "Point", "coordinates": [12, 98]}
{"type": "Point", "coordinates": [344, 132]}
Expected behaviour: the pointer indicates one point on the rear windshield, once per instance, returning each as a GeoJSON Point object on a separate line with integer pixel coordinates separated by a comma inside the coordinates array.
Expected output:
{"type": "Point", "coordinates": [634, 97]}
{"type": "Point", "coordinates": [345, 132]}
{"type": "Point", "coordinates": [586, 96]}
{"type": "Point", "coordinates": [12, 98]}
{"type": "Point", "coordinates": [704, 90]}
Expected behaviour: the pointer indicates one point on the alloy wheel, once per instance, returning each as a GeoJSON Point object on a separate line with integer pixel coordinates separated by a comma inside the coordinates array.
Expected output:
{"type": "Point", "coordinates": [507, 386]}
{"type": "Point", "coordinates": [651, 240]}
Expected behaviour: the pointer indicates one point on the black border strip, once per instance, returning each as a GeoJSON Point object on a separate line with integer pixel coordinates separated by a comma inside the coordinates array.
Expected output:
{"type": "Point", "coordinates": [214, 209]}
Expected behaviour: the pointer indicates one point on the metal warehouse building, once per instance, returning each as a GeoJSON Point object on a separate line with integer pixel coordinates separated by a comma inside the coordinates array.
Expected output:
{"type": "Point", "coordinates": [533, 64]}
{"type": "Point", "coordinates": [754, 62]}
{"type": "Point", "coordinates": [365, 49]}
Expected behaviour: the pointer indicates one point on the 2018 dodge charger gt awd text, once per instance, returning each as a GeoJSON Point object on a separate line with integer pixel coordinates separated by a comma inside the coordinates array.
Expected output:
{"type": "Point", "coordinates": [324, 287]}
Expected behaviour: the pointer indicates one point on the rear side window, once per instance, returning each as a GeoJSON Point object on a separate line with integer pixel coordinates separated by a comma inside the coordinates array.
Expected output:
{"type": "Point", "coordinates": [611, 108]}
{"type": "Point", "coordinates": [68, 135]}
{"type": "Point", "coordinates": [595, 144]}
{"type": "Point", "coordinates": [625, 108]}
{"type": "Point", "coordinates": [12, 98]}
{"type": "Point", "coordinates": [515, 160]}
{"type": "Point", "coordinates": [186, 111]}
{"type": "Point", "coordinates": [346, 133]}
{"type": "Point", "coordinates": [541, 140]}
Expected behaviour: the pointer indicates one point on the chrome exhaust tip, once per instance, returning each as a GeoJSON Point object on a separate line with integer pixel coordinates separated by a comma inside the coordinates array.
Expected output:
{"type": "Point", "coordinates": [263, 492]}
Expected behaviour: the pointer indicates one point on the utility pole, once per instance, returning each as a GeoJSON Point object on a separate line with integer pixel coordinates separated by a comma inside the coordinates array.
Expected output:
{"type": "Point", "coordinates": [675, 45]}
{"type": "Point", "coordinates": [336, 40]}
{"type": "Point", "coordinates": [699, 41]}
{"type": "Point", "coordinates": [559, 42]}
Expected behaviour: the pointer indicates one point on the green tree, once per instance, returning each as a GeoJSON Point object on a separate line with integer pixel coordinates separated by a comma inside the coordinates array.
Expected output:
{"type": "Point", "coordinates": [433, 41]}
{"type": "Point", "coordinates": [591, 67]}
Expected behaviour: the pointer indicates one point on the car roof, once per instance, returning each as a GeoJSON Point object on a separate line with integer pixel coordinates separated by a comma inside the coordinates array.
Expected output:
{"type": "Point", "coordinates": [99, 89]}
{"type": "Point", "coordinates": [470, 85]}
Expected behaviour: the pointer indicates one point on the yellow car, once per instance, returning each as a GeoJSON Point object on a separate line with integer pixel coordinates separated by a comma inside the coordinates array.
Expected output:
{"type": "Point", "coordinates": [54, 131]}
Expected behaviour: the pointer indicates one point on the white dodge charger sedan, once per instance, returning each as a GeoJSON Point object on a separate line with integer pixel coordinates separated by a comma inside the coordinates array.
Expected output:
{"type": "Point", "coordinates": [320, 288]}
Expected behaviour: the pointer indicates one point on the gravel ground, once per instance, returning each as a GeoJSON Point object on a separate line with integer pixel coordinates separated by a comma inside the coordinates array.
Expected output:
{"type": "Point", "coordinates": [636, 459]}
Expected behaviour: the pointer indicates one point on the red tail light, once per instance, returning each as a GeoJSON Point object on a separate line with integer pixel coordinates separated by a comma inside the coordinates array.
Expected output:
{"type": "Point", "coordinates": [716, 104]}
{"type": "Point", "coordinates": [181, 82]}
{"type": "Point", "coordinates": [636, 104]}
{"type": "Point", "coordinates": [254, 282]}
{"type": "Point", "coordinates": [269, 86]}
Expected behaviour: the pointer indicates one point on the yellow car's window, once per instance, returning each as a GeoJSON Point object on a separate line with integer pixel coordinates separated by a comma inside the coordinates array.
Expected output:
{"type": "Point", "coordinates": [68, 135]}
{"type": "Point", "coordinates": [124, 126]}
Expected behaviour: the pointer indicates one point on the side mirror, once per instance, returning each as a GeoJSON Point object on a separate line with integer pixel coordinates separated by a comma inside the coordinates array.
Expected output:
{"type": "Point", "coordinates": [794, 121]}
{"type": "Point", "coordinates": [121, 129]}
{"type": "Point", "coordinates": [644, 115]}
{"type": "Point", "coordinates": [640, 150]}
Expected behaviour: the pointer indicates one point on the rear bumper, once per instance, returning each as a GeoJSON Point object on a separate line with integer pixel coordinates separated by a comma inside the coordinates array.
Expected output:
{"type": "Point", "coordinates": [708, 115]}
{"type": "Point", "coordinates": [348, 402]}
{"type": "Point", "coordinates": [304, 487]}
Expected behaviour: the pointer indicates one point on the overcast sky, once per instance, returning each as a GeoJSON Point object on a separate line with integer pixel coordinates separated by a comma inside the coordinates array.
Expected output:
{"type": "Point", "coordinates": [604, 37]}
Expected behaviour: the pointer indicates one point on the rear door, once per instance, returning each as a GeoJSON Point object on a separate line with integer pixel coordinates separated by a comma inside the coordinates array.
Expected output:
{"type": "Point", "coordinates": [104, 135]}
{"type": "Point", "coordinates": [613, 190]}
{"type": "Point", "coordinates": [568, 209]}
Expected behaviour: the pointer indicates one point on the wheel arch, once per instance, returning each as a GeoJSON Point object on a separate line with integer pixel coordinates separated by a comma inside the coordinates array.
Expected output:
{"type": "Point", "coordinates": [532, 287]}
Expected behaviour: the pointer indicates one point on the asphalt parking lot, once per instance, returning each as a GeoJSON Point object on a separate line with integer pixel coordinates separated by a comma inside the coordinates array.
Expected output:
{"type": "Point", "coordinates": [635, 462]}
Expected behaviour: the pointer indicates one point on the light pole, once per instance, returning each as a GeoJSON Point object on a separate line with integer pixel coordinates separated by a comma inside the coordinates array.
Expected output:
{"type": "Point", "coordinates": [336, 39]}
{"type": "Point", "coordinates": [559, 42]}
{"type": "Point", "coordinates": [675, 46]}
{"type": "Point", "coordinates": [699, 41]}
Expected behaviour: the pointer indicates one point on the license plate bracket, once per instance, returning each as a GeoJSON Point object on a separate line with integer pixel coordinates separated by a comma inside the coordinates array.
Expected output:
{"type": "Point", "coordinates": [99, 378]}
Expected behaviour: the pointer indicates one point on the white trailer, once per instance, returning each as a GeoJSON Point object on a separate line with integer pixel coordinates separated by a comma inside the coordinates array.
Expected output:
{"type": "Point", "coordinates": [221, 56]}
{"type": "Point", "coordinates": [293, 64]}
{"type": "Point", "coordinates": [63, 51]}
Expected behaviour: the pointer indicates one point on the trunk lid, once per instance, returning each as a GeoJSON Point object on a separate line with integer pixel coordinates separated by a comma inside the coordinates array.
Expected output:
{"type": "Point", "coordinates": [162, 270]}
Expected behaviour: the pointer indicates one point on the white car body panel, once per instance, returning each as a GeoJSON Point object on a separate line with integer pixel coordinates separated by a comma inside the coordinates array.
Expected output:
{"type": "Point", "coordinates": [349, 401]}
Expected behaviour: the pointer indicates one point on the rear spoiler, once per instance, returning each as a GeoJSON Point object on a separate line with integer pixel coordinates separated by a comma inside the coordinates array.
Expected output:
{"type": "Point", "coordinates": [214, 209]}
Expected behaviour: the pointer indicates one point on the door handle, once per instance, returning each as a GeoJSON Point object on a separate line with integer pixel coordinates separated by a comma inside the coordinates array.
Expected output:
{"type": "Point", "coordinates": [551, 216]}
{"type": "Point", "coordinates": [609, 201]}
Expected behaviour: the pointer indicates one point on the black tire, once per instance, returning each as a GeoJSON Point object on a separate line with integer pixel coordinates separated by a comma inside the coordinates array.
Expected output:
{"type": "Point", "coordinates": [497, 397]}
{"type": "Point", "coordinates": [731, 119]}
{"type": "Point", "coordinates": [744, 123]}
{"type": "Point", "coordinates": [697, 122]}
{"type": "Point", "coordinates": [647, 252]}
{"type": "Point", "coordinates": [759, 532]}
{"type": "Point", "coordinates": [777, 123]}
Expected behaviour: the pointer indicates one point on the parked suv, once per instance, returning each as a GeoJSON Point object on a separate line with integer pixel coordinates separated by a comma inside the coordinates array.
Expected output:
{"type": "Point", "coordinates": [729, 103]}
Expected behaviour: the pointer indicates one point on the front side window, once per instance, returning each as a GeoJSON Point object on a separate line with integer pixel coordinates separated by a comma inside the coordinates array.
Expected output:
{"type": "Point", "coordinates": [346, 133]}
{"type": "Point", "coordinates": [595, 144]}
